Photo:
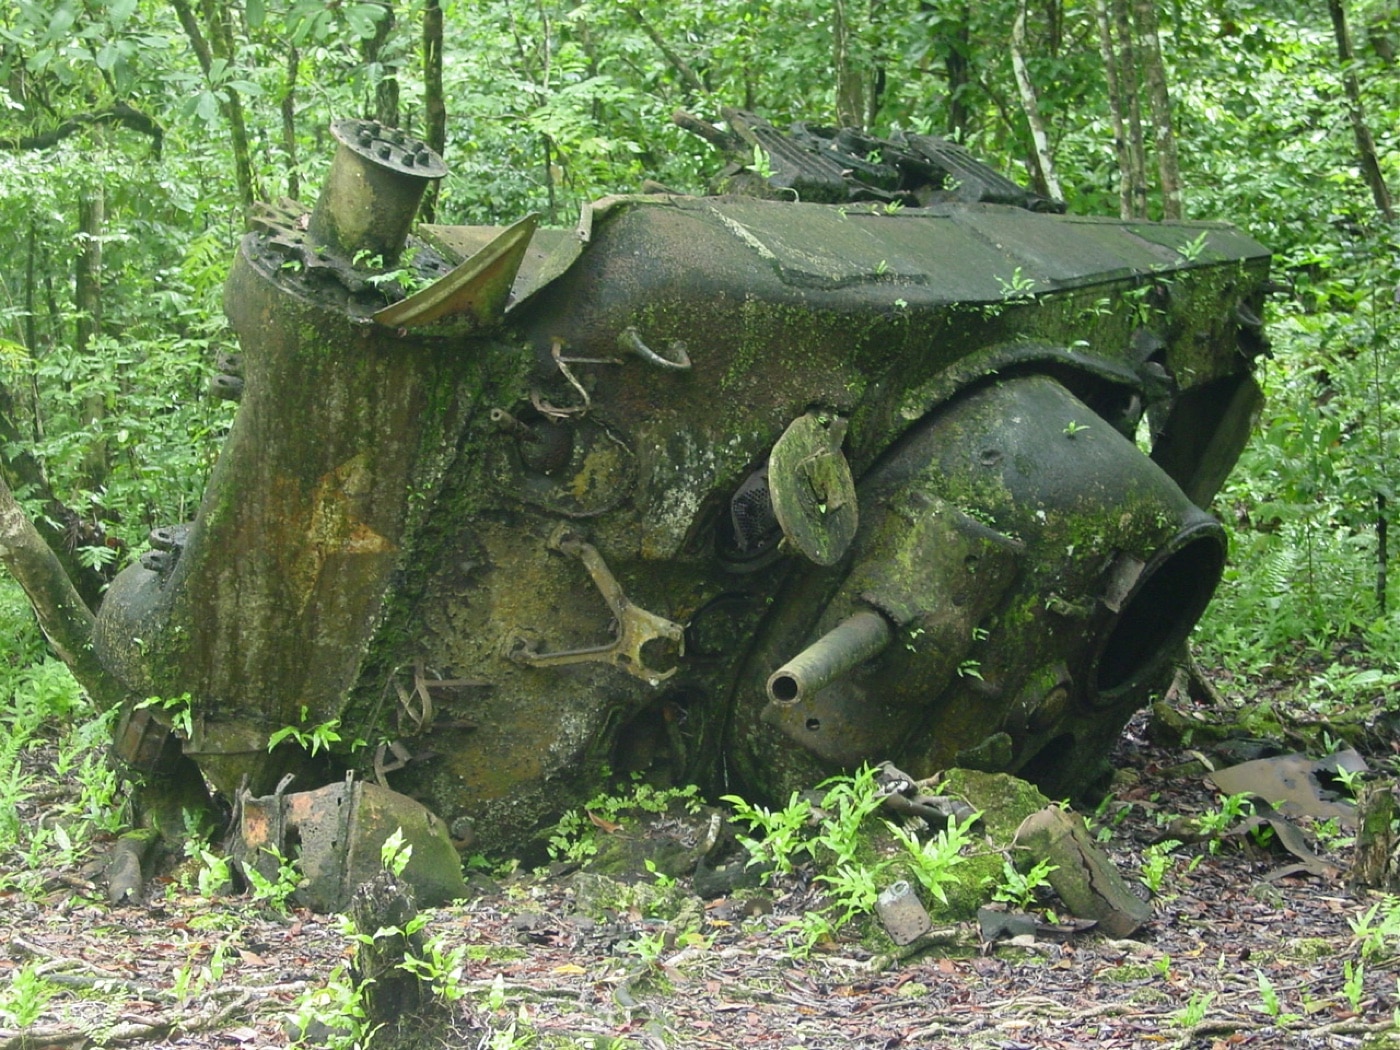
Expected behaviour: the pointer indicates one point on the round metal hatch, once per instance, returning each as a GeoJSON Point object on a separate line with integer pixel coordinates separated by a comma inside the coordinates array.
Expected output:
{"type": "Point", "coordinates": [813, 493]}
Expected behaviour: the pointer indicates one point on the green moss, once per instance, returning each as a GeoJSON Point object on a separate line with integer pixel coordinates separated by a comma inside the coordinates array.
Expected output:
{"type": "Point", "coordinates": [1003, 800]}
{"type": "Point", "coordinates": [1309, 949]}
{"type": "Point", "coordinates": [976, 877]}
{"type": "Point", "coordinates": [601, 898]}
{"type": "Point", "coordinates": [1125, 973]}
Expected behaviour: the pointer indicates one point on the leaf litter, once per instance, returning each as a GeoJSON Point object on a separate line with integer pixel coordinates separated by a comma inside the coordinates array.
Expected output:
{"type": "Point", "coordinates": [1231, 958]}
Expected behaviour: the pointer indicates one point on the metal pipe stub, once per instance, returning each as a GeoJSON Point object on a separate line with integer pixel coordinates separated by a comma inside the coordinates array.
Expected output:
{"type": "Point", "coordinates": [371, 195]}
{"type": "Point", "coordinates": [849, 644]}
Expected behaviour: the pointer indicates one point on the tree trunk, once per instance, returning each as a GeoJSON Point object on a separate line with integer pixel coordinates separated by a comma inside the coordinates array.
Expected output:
{"type": "Point", "coordinates": [1159, 100]}
{"type": "Point", "coordinates": [956, 46]}
{"type": "Point", "coordinates": [1365, 144]}
{"type": "Point", "coordinates": [1382, 552]}
{"type": "Point", "coordinates": [1054, 27]}
{"type": "Point", "coordinates": [1047, 182]}
{"type": "Point", "coordinates": [382, 911]}
{"type": "Point", "coordinates": [1371, 864]}
{"type": "Point", "coordinates": [434, 108]}
{"type": "Point", "coordinates": [219, 44]}
{"type": "Point", "coordinates": [62, 613]}
{"type": "Point", "coordinates": [1115, 110]}
{"type": "Point", "coordinates": [875, 96]}
{"type": "Point", "coordinates": [1128, 82]}
{"type": "Point", "coordinates": [87, 294]}
{"type": "Point", "coordinates": [60, 527]}
{"type": "Point", "coordinates": [289, 122]}
{"type": "Point", "coordinates": [386, 89]}
{"type": "Point", "coordinates": [31, 324]}
{"type": "Point", "coordinates": [850, 86]}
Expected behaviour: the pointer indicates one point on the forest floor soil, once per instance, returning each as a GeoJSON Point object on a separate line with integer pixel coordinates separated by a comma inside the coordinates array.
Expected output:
{"type": "Point", "coordinates": [1234, 956]}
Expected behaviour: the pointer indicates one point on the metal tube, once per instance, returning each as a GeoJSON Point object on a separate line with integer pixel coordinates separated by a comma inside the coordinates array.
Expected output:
{"type": "Point", "coordinates": [850, 643]}
{"type": "Point", "coordinates": [372, 192]}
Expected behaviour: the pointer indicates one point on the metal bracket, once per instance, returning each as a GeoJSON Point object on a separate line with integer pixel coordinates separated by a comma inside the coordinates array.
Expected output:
{"type": "Point", "coordinates": [635, 625]}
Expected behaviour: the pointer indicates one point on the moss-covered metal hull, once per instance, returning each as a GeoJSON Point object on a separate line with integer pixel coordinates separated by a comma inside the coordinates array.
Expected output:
{"type": "Point", "coordinates": [518, 553]}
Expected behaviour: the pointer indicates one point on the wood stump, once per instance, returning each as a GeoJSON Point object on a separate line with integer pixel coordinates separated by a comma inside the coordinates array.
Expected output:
{"type": "Point", "coordinates": [393, 998]}
{"type": "Point", "coordinates": [1372, 864]}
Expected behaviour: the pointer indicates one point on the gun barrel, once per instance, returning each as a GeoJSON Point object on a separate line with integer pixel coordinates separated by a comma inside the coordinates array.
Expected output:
{"type": "Point", "coordinates": [850, 643]}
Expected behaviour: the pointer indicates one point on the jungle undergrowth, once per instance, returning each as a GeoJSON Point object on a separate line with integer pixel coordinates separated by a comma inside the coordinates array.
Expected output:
{"type": "Point", "coordinates": [53, 746]}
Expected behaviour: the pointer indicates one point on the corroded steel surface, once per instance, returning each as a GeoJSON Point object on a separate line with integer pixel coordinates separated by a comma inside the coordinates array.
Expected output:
{"type": "Point", "coordinates": [573, 533]}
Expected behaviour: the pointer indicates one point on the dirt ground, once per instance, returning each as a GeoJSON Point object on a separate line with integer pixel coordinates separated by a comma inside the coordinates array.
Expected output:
{"type": "Point", "coordinates": [1235, 956]}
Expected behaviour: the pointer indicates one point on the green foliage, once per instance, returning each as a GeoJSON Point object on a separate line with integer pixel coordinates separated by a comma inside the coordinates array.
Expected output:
{"type": "Point", "coordinates": [1213, 823]}
{"type": "Point", "coordinates": [48, 729]}
{"type": "Point", "coordinates": [275, 891]}
{"type": "Point", "coordinates": [395, 854]}
{"type": "Point", "coordinates": [1354, 984]}
{"type": "Point", "coordinates": [441, 967]}
{"type": "Point", "coordinates": [574, 836]}
{"type": "Point", "coordinates": [1156, 862]}
{"type": "Point", "coordinates": [934, 859]}
{"type": "Point", "coordinates": [1377, 929]}
{"type": "Point", "coordinates": [311, 738]}
{"type": "Point", "coordinates": [1270, 1002]}
{"type": "Point", "coordinates": [851, 890]}
{"type": "Point", "coordinates": [214, 875]}
{"type": "Point", "coordinates": [1021, 888]}
{"type": "Point", "coordinates": [783, 832]}
{"type": "Point", "coordinates": [175, 710]}
{"type": "Point", "coordinates": [336, 1008]}
{"type": "Point", "coordinates": [1194, 1012]}
{"type": "Point", "coordinates": [844, 807]}
{"type": "Point", "coordinates": [853, 859]}
{"type": "Point", "coordinates": [23, 999]}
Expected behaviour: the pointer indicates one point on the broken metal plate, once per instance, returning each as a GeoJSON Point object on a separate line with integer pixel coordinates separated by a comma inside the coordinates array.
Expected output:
{"type": "Point", "coordinates": [480, 286]}
{"type": "Point", "coordinates": [1293, 840]}
{"type": "Point", "coordinates": [813, 493]}
{"type": "Point", "coordinates": [337, 833]}
{"type": "Point", "coordinates": [1290, 783]}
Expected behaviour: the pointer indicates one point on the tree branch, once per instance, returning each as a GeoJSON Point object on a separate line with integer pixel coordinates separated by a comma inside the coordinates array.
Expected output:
{"type": "Point", "coordinates": [119, 113]}
{"type": "Point", "coordinates": [229, 103]}
{"type": "Point", "coordinates": [434, 106]}
{"type": "Point", "coordinates": [693, 84]}
{"type": "Point", "coordinates": [1047, 182]}
{"type": "Point", "coordinates": [65, 618]}
{"type": "Point", "coordinates": [1365, 144]}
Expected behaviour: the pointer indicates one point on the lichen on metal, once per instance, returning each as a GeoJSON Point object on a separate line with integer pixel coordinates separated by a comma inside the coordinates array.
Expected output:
{"type": "Point", "coordinates": [729, 490]}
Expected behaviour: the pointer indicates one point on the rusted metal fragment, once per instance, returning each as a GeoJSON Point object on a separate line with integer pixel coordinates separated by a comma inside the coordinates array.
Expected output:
{"type": "Point", "coordinates": [850, 643]}
{"type": "Point", "coordinates": [479, 287]}
{"type": "Point", "coordinates": [142, 741]}
{"type": "Point", "coordinates": [337, 833]}
{"type": "Point", "coordinates": [636, 627]}
{"type": "Point", "coordinates": [1291, 783]}
{"type": "Point", "coordinates": [1292, 839]}
{"type": "Point", "coordinates": [813, 493]}
{"type": "Point", "coordinates": [1082, 874]}
{"type": "Point", "coordinates": [902, 914]}
{"type": "Point", "coordinates": [372, 191]}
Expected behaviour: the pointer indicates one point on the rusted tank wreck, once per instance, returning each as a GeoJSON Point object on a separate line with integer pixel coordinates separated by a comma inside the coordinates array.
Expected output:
{"type": "Point", "coordinates": [730, 490]}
